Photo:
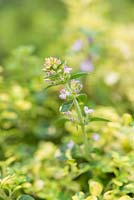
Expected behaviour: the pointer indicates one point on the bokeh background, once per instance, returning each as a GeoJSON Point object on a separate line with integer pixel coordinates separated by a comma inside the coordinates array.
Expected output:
{"type": "Point", "coordinates": [92, 35]}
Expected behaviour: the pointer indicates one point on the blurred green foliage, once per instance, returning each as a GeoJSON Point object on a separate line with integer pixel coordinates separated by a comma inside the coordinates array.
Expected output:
{"type": "Point", "coordinates": [30, 22]}
{"type": "Point", "coordinates": [36, 160]}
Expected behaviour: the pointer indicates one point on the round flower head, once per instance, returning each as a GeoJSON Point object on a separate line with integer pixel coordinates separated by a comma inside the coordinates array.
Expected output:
{"type": "Point", "coordinates": [87, 110]}
{"type": "Point", "coordinates": [51, 63]}
{"type": "Point", "coordinates": [55, 71]}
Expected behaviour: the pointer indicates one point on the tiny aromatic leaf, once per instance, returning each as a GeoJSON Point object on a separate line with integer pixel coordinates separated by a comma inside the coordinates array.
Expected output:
{"type": "Point", "coordinates": [49, 86]}
{"type": "Point", "coordinates": [125, 197]}
{"type": "Point", "coordinates": [53, 77]}
{"type": "Point", "coordinates": [93, 119]}
{"type": "Point", "coordinates": [78, 75]}
{"type": "Point", "coordinates": [66, 106]}
{"type": "Point", "coordinates": [82, 97]}
{"type": "Point", "coordinates": [95, 188]}
{"type": "Point", "coordinates": [25, 197]}
{"type": "Point", "coordinates": [60, 120]}
{"type": "Point", "coordinates": [78, 196]}
{"type": "Point", "coordinates": [91, 198]}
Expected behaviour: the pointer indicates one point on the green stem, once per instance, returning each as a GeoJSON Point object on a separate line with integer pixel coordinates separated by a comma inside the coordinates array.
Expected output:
{"type": "Point", "coordinates": [80, 116]}
{"type": "Point", "coordinates": [78, 112]}
{"type": "Point", "coordinates": [85, 142]}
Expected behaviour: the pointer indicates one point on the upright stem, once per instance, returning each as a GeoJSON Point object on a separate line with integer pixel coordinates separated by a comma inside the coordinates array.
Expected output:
{"type": "Point", "coordinates": [79, 112]}
{"type": "Point", "coordinates": [85, 142]}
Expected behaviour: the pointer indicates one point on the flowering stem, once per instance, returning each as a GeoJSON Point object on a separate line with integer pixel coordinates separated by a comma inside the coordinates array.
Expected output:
{"type": "Point", "coordinates": [58, 73]}
{"type": "Point", "coordinates": [78, 110]}
{"type": "Point", "coordinates": [82, 127]}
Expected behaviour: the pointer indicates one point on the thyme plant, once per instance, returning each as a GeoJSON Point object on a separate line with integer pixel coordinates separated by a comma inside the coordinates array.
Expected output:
{"type": "Point", "coordinates": [75, 105]}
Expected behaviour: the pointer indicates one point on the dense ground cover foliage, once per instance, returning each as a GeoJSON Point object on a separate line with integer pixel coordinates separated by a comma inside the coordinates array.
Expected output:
{"type": "Point", "coordinates": [71, 136]}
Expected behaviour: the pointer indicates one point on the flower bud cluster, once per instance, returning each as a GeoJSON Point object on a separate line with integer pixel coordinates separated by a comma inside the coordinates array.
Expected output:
{"type": "Point", "coordinates": [76, 86]}
{"type": "Point", "coordinates": [56, 72]}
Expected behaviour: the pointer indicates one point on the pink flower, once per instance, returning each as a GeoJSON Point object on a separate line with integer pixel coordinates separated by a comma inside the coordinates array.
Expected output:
{"type": "Point", "coordinates": [64, 94]}
{"type": "Point", "coordinates": [67, 69]}
{"type": "Point", "coordinates": [86, 66]}
{"type": "Point", "coordinates": [96, 136]}
{"type": "Point", "coordinates": [70, 145]}
{"type": "Point", "coordinates": [77, 46]}
{"type": "Point", "coordinates": [87, 110]}
{"type": "Point", "coordinates": [67, 113]}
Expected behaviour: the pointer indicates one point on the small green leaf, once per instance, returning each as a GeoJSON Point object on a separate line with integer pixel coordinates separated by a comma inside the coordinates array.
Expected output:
{"type": "Point", "coordinates": [63, 62]}
{"type": "Point", "coordinates": [66, 106]}
{"type": "Point", "coordinates": [127, 119]}
{"type": "Point", "coordinates": [95, 188]}
{"type": "Point", "coordinates": [93, 119]}
{"type": "Point", "coordinates": [49, 86]}
{"type": "Point", "coordinates": [25, 197]}
{"type": "Point", "coordinates": [125, 197]}
{"type": "Point", "coordinates": [82, 97]}
{"type": "Point", "coordinates": [53, 77]}
{"type": "Point", "coordinates": [129, 188]}
{"type": "Point", "coordinates": [79, 196]}
{"type": "Point", "coordinates": [60, 120]}
{"type": "Point", "coordinates": [91, 198]}
{"type": "Point", "coordinates": [78, 75]}
{"type": "Point", "coordinates": [109, 195]}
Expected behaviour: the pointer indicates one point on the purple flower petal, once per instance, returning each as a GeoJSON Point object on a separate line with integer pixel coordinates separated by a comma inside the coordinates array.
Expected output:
{"type": "Point", "coordinates": [86, 66]}
{"type": "Point", "coordinates": [70, 145]}
{"type": "Point", "coordinates": [96, 136]}
{"type": "Point", "coordinates": [87, 110]}
{"type": "Point", "coordinates": [67, 69]}
{"type": "Point", "coordinates": [90, 39]}
{"type": "Point", "coordinates": [77, 46]}
{"type": "Point", "coordinates": [64, 94]}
